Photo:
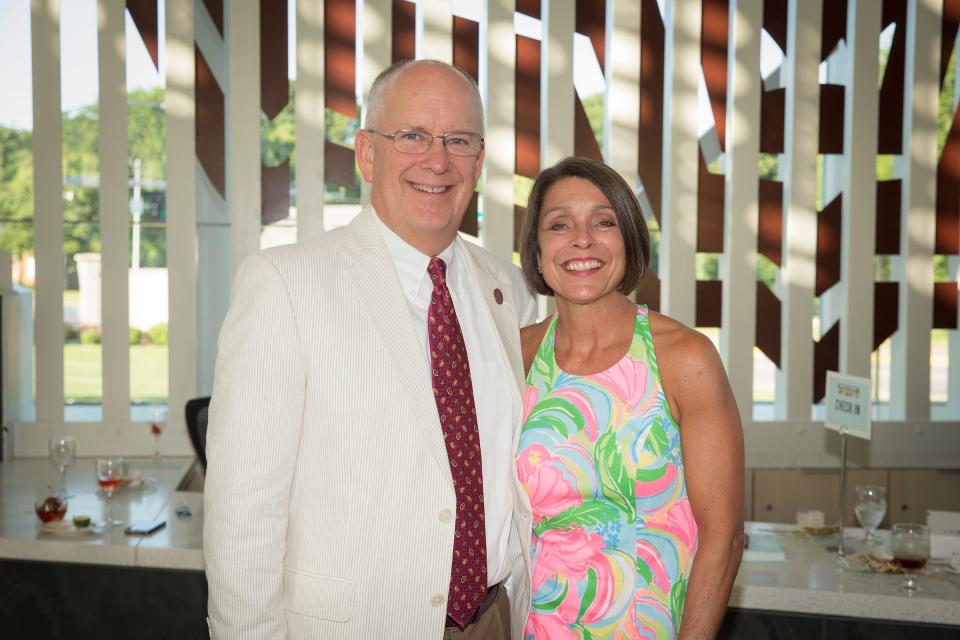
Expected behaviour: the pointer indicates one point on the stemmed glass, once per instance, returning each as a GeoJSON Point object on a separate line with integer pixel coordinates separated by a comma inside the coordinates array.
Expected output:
{"type": "Point", "coordinates": [911, 550]}
{"type": "Point", "coordinates": [157, 423]}
{"type": "Point", "coordinates": [63, 449]}
{"type": "Point", "coordinates": [110, 474]}
{"type": "Point", "coordinates": [870, 505]}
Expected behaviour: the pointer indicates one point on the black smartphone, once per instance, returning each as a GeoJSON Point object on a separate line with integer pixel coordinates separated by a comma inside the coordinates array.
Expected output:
{"type": "Point", "coordinates": [145, 528]}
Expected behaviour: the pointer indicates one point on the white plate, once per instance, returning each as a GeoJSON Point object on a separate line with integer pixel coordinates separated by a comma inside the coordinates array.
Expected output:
{"type": "Point", "coordinates": [65, 528]}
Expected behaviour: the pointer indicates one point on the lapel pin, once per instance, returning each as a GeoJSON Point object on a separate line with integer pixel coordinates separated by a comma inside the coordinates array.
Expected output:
{"type": "Point", "coordinates": [498, 296]}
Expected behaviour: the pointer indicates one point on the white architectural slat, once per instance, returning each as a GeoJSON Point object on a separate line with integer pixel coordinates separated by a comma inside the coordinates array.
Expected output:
{"type": "Point", "coordinates": [48, 208]}
{"type": "Point", "coordinates": [621, 126]}
{"type": "Point", "coordinates": [377, 39]}
{"type": "Point", "coordinates": [182, 168]}
{"type": "Point", "coordinates": [556, 81]}
{"type": "Point", "coordinates": [310, 119]}
{"type": "Point", "coordinates": [213, 272]}
{"type": "Point", "coordinates": [678, 238]}
{"type": "Point", "coordinates": [434, 20]}
{"type": "Point", "coordinates": [910, 392]}
{"type": "Point", "coordinates": [242, 104]}
{"type": "Point", "coordinates": [740, 207]}
{"type": "Point", "coordinates": [114, 215]}
{"type": "Point", "coordinates": [860, 193]}
{"type": "Point", "coordinates": [498, 51]}
{"type": "Point", "coordinates": [798, 272]}
{"type": "Point", "coordinates": [952, 407]}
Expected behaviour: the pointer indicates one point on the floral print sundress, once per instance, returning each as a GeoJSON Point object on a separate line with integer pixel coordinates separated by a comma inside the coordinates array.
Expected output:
{"type": "Point", "coordinates": [600, 460]}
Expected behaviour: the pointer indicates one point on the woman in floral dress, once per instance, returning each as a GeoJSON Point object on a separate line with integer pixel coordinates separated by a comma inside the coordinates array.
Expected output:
{"type": "Point", "coordinates": [631, 452]}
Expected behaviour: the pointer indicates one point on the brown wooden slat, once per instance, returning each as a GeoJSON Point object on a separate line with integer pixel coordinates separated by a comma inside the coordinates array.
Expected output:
{"type": "Point", "coordinates": [886, 300]}
{"type": "Point", "coordinates": [945, 305]}
{"type": "Point", "coordinates": [339, 165]}
{"type": "Point", "coordinates": [215, 9]}
{"type": "Point", "coordinates": [831, 118]}
{"type": "Point", "coordinates": [650, 154]}
{"type": "Point", "coordinates": [275, 192]}
{"type": "Point", "coordinates": [210, 124]}
{"type": "Point", "coordinates": [948, 193]}
{"type": "Point", "coordinates": [829, 227]}
{"type": "Point", "coordinates": [775, 21]}
{"type": "Point", "coordinates": [888, 217]}
{"type": "Point", "coordinates": [834, 26]}
{"type": "Point", "coordinates": [713, 59]}
{"type": "Point", "coordinates": [466, 46]}
{"type": "Point", "coordinates": [770, 225]}
{"type": "Point", "coordinates": [470, 224]}
{"type": "Point", "coordinates": [144, 16]}
{"type": "Point", "coordinates": [710, 190]}
{"type": "Point", "coordinates": [768, 323]}
{"type": "Point", "coordinates": [403, 44]}
{"type": "Point", "coordinates": [529, 8]}
{"type": "Point", "coordinates": [890, 118]}
{"type": "Point", "coordinates": [340, 57]}
{"type": "Point", "coordinates": [527, 109]}
{"type": "Point", "coordinates": [584, 142]}
{"type": "Point", "coordinates": [826, 357]}
{"type": "Point", "coordinates": [948, 33]}
{"type": "Point", "coordinates": [648, 292]}
{"type": "Point", "coordinates": [709, 303]}
{"type": "Point", "coordinates": [590, 20]}
{"type": "Point", "coordinates": [274, 85]}
{"type": "Point", "coordinates": [771, 120]}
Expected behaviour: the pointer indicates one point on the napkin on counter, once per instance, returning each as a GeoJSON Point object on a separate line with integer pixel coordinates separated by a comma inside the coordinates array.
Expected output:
{"type": "Point", "coordinates": [945, 536]}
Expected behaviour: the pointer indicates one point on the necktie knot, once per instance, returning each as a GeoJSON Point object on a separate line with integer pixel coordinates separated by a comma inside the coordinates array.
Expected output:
{"type": "Point", "coordinates": [437, 269]}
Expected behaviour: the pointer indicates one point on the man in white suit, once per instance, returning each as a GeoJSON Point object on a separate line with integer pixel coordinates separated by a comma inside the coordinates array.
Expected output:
{"type": "Point", "coordinates": [337, 502]}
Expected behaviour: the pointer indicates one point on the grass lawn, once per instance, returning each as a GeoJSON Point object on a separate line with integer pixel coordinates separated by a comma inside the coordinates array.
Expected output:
{"type": "Point", "coordinates": [83, 367]}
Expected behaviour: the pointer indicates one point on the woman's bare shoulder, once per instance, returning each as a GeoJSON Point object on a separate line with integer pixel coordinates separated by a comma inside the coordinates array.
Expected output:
{"type": "Point", "coordinates": [530, 338]}
{"type": "Point", "coordinates": [681, 350]}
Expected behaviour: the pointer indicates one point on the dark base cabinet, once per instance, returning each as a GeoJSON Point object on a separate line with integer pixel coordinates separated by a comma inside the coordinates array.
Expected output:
{"type": "Point", "coordinates": [747, 624]}
{"type": "Point", "coordinates": [46, 600]}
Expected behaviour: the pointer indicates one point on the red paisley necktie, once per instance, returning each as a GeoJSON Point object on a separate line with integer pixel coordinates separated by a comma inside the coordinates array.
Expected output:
{"type": "Point", "coordinates": [453, 391]}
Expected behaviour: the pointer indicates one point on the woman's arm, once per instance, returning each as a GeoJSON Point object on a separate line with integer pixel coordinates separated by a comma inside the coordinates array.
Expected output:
{"type": "Point", "coordinates": [712, 440]}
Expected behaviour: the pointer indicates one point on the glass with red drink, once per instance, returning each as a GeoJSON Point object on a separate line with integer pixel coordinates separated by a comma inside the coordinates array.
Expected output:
{"type": "Point", "coordinates": [911, 550]}
{"type": "Point", "coordinates": [111, 472]}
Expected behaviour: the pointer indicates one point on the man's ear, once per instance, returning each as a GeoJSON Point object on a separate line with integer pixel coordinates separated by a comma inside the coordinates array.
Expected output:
{"type": "Point", "coordinates": [364, 151]}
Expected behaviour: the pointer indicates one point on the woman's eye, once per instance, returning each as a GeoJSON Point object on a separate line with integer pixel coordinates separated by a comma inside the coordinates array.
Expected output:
{"type": "Point", "coordinates": [557, 226]}
{"type": "Point", "coordinates": [607, 223]}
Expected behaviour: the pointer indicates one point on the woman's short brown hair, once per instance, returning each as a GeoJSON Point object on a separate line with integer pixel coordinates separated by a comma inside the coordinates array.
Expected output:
{"type": "Point", "coordinates": [636, 238]}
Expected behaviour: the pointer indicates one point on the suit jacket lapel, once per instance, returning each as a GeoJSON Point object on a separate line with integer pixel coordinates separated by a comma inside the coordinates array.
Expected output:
{"type": "Point", "coordinates": [370, 267]}
{"type": "Point", "coordinates": [506, 317]}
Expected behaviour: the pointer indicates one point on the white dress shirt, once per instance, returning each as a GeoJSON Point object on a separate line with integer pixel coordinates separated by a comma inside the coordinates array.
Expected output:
{"type": "Point", "coordinates": [489, 372]}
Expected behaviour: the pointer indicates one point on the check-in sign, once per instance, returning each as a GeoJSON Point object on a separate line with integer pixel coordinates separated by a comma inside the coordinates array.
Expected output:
{"type": "Point", "coordinates": [848, 404]}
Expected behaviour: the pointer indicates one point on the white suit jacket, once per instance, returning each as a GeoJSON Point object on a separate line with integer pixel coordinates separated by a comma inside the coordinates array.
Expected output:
{"type": "Point", "coordinates": [328, 490]}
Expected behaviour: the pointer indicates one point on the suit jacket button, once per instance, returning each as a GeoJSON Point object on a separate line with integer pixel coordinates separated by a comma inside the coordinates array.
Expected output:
{"type": "Point", "coordinates": [436, 601]}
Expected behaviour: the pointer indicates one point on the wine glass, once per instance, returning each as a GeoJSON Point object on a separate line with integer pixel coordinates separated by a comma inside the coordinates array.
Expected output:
{"type": "Point", "coordinates": [870, 505]}
{"type": "Point", "coordinates": [110, 474]}
{"type": "Point", "coordinates": [911, 549]}
{"type": "Point", "coordinates": [63, 449]}
{"type": "Point", "coordinates": [157, 423]}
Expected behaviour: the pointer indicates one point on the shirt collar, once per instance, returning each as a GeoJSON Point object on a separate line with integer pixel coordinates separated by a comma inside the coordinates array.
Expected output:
{"type": "Point", "coordinates": [411, 264]}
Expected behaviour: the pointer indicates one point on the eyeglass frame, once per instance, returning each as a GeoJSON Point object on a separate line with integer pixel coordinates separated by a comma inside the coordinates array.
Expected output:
{"type": "Point", "coordinates": [392, 137]}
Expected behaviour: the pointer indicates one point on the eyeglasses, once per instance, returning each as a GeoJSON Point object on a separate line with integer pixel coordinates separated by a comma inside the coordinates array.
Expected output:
{"type": "Point", "coordinates": [458, 143]}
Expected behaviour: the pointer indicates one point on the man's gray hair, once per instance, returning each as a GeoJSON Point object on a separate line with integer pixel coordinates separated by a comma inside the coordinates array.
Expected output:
{"type": "Point", "coordinates": [375, 102]}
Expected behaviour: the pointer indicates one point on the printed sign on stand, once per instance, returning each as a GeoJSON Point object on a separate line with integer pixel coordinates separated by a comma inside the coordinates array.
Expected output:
{"type": "Point", "coordinates": [848, 406]}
